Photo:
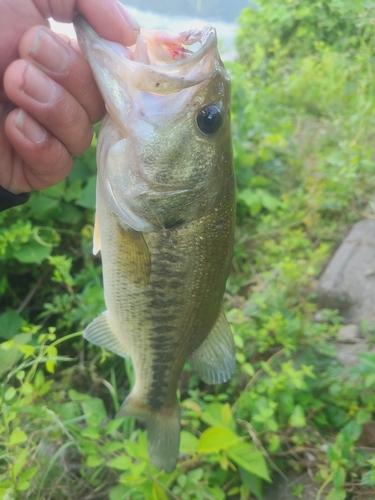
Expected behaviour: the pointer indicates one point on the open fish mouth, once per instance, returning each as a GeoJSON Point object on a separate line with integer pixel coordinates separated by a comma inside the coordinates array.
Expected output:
{"type": "Point", "coordinates": [159, 62]}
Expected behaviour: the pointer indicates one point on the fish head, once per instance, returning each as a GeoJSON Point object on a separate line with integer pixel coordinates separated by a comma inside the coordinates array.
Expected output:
{"type": "Point", "coordinates": [164, 149]}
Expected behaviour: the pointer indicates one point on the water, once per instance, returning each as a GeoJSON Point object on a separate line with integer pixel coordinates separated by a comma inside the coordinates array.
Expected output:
{"type": "Point", "coordinates": [219, 10]}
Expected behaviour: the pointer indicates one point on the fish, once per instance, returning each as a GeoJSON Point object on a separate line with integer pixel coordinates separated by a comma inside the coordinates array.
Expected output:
{"type": "Point", "coordinates": [165, 218]}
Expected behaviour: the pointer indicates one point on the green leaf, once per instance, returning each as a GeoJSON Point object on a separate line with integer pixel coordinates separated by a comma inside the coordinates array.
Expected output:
{"type": "Point", "coordinates": [259, 181]}
{"type": "Point", "coordinates": [251, 199]}
{"type": "Point", "coordinates": [28, 474]}
{"type": "Point", "coordinates": [69, 214]}
{"type": "Point", "coordinates": [88, 195]}
{"type": "Point", "coordinates": [44, 207]}
{"type": "Point", "coordinates": [94, 410]}
{"type": "Point", "coordinates": [10, 324]}
{"type": "Point", "coordinates": [217, 414]}
{"type": "Point", "coordinates": [339, 477]}
{"type": "Point", "coordinates": [92, 433]}
{"type": "Point", "coordinates": [111, 447]}
{"type": "Point", "coordinates": [32, 252]}
{"type": "Point", "coordinates": [297, 419]}
{"type": "Point", "coordinates": [10, 393]}
{"type": "Point", "coordinates": [25, 485]}
{"type": "Point", "coordinates": [10, 352]}
{"type": "Point", "coordinates": [336, 494]}
{"type": "Point", "coordinates": [19, 463]}
{"type": "Point", "coordinates": [17, 436]}
{"type": "Point", "coordinates": [216, 439]}
{"type": "Point", "coordinates": [370, 380]}
{"type": "Point", "coordinates": [94, 460]}
{"type": "Point", "coordinates": [120, 463]}
{"type": "Point", "coordinates": [188, 443]}
{"type": "Point", "coordinates": [158, 493]}
{"type": "Point", "coordinates": [368, 478]}
{"type": "Point", "coordinates": [252, 482]}
{"type": "Point", "coordinates": [119, 492]}
{"type": "Point", "coordinates": [78, 396]}
{"type": "Point", "coordinates": [195, 475]}
{"type": "Point", "coordinates": [250, 459]}
{"type": "Point", "coordinates": [113, 425]}
{"type": "Point", "coordinates": [363, 416]}
{"type": "Point", "coordinates": [268, 201]}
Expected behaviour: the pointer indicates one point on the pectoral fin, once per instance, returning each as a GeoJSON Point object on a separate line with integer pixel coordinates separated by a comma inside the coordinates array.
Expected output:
{"type": "Point", "coordinates": [100, 332]}
{"type": "Point", "coordinates": [136, 262]}
{"type": "Point", "coordinates": [214, 360]}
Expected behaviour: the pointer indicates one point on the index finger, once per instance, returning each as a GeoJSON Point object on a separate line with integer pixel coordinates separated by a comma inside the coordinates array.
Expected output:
{"type": "Point", "coordinates": [108, 17]}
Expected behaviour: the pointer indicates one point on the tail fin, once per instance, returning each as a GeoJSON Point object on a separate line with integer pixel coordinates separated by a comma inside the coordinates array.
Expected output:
{"type": "Point", "coordinates": [163, 431]}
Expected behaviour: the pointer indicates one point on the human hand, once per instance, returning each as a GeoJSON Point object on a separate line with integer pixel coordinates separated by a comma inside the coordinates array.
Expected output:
{"type": "Point", "coordinates": [48, 98]}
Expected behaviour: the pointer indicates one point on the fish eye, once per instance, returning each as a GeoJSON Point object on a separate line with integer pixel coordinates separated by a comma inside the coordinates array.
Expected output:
{"type": "Point", "coordinates": [209, 119]}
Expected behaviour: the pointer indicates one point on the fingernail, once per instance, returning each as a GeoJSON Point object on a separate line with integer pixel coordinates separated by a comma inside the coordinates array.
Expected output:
{"type": "Point", "coordinates": [38, 86]}
{"type": "Point", "coordinates": [29, 127]}
{"type": "Point", "coordinates": [131, 22]}
{"type": "Point", "coordinates": [50, 52]}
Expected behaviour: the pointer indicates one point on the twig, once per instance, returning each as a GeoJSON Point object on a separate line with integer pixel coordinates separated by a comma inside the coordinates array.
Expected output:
{"type": "Point", "coordinates": [256, 376]}
{"type": "Point", "coordinates": [227, 486]}
{"type": "Point", "coordinates": [30, 295]}
{"type": "Point", "coordinates": [267, 281]}
{"type": "Point", "coordinates": [258, 443]}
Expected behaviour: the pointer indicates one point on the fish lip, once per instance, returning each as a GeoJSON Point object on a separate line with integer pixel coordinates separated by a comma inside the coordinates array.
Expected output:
{"type": "Point", "coordinates": [207, 39]}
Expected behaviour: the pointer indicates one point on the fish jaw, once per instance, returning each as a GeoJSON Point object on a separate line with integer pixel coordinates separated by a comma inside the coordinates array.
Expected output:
{"type": "Point", "coordinates": [148, 103]}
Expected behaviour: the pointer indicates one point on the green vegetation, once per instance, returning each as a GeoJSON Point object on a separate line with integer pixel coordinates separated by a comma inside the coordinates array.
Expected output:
{"type": "Point", "coordinates": [303, 124]}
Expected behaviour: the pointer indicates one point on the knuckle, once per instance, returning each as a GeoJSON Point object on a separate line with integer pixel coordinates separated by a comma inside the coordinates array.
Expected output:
{"type": "Point", "coordinates": [77, 130]}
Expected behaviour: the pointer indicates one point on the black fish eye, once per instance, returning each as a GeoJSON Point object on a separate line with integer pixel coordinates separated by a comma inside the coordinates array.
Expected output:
{"type": "Point", "coordinates": [209, 119]}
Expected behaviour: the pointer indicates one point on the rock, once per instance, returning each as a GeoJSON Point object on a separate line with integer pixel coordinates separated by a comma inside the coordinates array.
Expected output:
{"type": "Point", "coordinates": [367, 438]}
{"type": "Point", "coordinates": [348, 354]}
{"type": "Point", "coordinates": [348, 282]}
{"type": "Point", "coordinates": [349, 334]}
{"type": "Point", "coordinates": [280, 489]}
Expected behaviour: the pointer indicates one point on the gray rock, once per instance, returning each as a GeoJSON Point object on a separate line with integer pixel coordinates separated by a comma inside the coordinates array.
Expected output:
{"type": "Point", "coordinates": [348, 354]}
{"type": "Point", "coordinates": [285, 490]}
{"type": "Point", "coordinates": [348, 282]}
{"type": "Point", "coordinates": [349, 334]}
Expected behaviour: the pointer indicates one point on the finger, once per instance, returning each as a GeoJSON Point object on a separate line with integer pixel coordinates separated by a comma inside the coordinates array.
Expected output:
{"type": "Point", "coordinates": [117, 24]}
{"type": "Point", "coordinates": [65, 66]}
{"type": "Point", "coordinates": [108, 17]}
{"type": "Point", "coordinates": [6, 157]}
{"type": "Point", "coordinates": [40, 160]}
{"type": "Point", "coordinates": [50, 105]}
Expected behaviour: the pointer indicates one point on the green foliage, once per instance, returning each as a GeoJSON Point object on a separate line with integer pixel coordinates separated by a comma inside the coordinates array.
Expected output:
{"type": "Point", "coordinates": [302, 27]}
{"type": "Point", "coordinates": [303, 121]}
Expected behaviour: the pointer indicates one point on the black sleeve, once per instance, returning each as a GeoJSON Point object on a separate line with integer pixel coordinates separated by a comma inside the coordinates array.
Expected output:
{"type": "Point", "coordinates": [9, 200]}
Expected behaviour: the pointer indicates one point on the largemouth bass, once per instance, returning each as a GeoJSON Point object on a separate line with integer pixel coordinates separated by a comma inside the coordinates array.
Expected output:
{"type": "Point", "coordinates": [165, 218]}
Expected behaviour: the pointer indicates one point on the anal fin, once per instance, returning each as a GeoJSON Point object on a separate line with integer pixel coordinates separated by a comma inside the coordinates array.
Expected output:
{"type": "Point", "coordinates": [100, 332]}
{"type": "Point", "coordinates": [214, 360]}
